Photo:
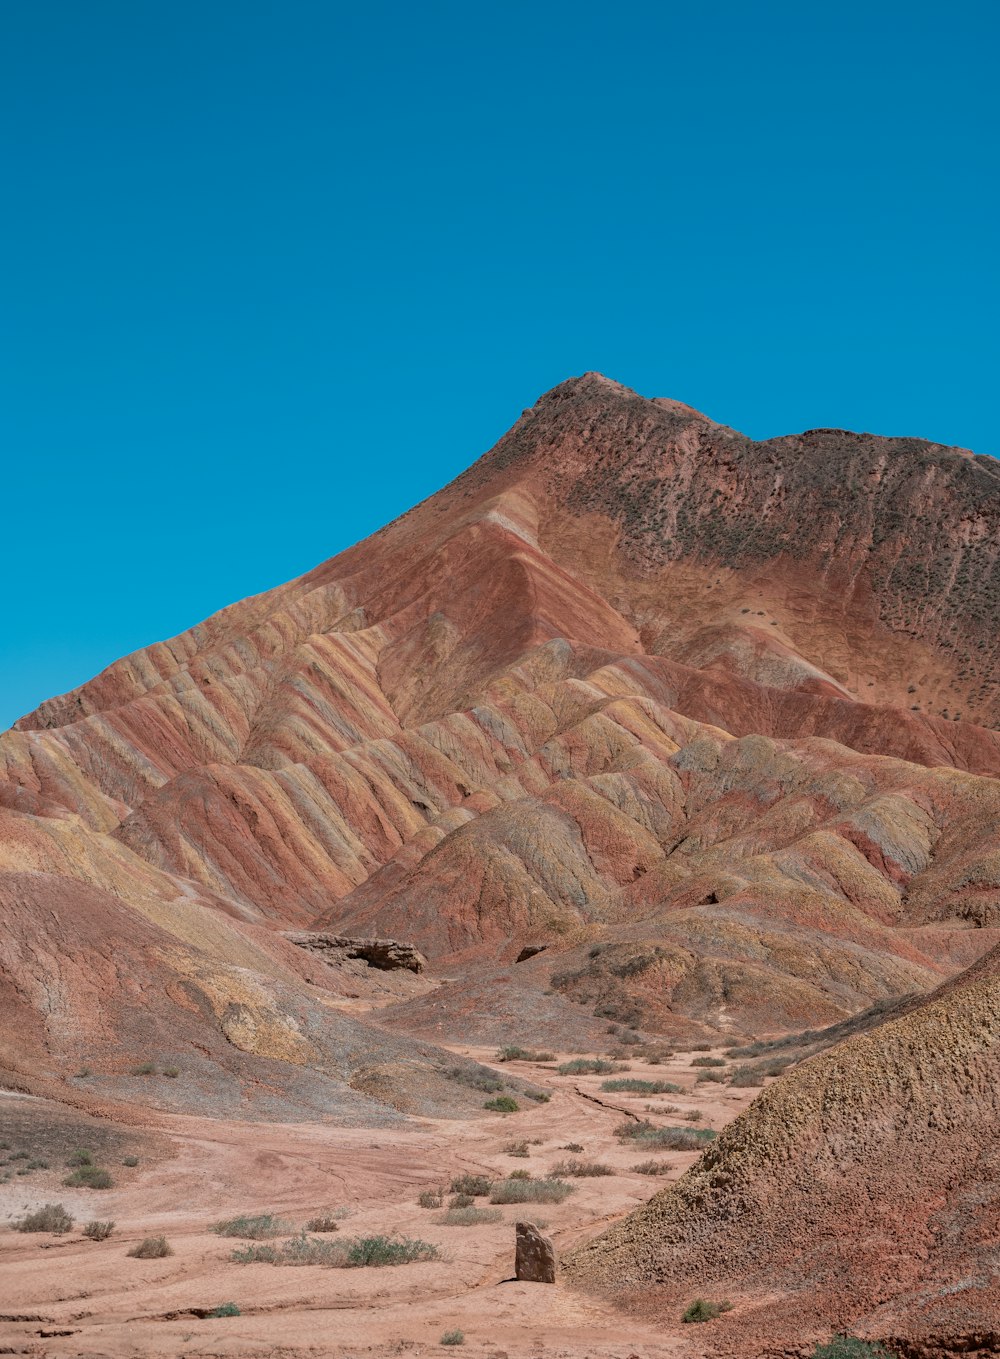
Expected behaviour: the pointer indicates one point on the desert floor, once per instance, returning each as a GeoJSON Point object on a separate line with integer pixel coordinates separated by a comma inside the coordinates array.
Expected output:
{"type": "Point", "coordinates": [69, 1296]}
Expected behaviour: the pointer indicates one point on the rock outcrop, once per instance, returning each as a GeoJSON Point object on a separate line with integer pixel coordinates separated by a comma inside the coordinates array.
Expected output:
{"type": "Point", "coordinates": [534, 1255]}
{"type": "Point", "coordinates": [385, 954]}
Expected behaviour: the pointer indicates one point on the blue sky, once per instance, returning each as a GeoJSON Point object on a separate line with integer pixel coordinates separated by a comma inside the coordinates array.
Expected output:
{"type": "Point", "coordinates": [272, 272]}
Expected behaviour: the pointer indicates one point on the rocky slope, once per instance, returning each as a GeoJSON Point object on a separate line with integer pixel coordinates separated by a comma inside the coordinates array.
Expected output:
{"type": "Point", "coordinates": [860, 1192]}
{"type": "Point", "coordinates": [710, 718]}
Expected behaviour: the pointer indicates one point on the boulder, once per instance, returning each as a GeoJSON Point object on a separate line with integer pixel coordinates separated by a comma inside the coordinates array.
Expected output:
{"type": "Point", "coordinates": [385, 954]}
{"type": "Point", "coordinates": [534, 1255]}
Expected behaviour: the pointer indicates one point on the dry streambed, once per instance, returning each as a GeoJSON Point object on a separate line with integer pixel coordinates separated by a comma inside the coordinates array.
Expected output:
{"type": "Point", "coordinates": [600, 1134]}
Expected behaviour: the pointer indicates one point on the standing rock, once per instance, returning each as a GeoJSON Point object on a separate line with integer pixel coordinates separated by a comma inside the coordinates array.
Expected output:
{"type": "Point", "coordinates": [534, 1256]}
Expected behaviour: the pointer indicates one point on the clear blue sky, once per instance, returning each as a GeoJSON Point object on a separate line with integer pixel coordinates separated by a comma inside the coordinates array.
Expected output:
{"type": "Point", "coordinates": [272, 272]}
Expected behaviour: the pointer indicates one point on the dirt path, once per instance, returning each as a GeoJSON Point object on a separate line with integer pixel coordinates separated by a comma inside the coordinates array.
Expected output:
{"type": "Point", "coordinates": [67, 1296]}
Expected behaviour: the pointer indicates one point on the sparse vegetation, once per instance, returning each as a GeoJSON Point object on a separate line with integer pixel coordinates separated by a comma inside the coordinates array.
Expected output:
{"type": "Point", "coordinates": [516, 1149]}
{"type": "Point", "coordinates": [151, 1248]}
{"type": "Point", "coordinates": [575, 1169]}
{"type": "Point", "coordinates": [476, 1186]}
{"type": "Point", "coordinates": [572, 1146]}
{"type": "Point", "coordinates": [51, 1217]}
{"type": "Point", "coordinates": [144, 1069]}
{"type": "Point", "coordinates": [708, 1061]}
{"type": "Point", "coordinates": [849, 1347]}
{"type": "Point", "coordinates": [700, 1310]}
{"type": "Point", "coordinates": [80, 1157]}
{"type": "Point", "coordinates": [89, 1177]}
{"type": "Point", "coordinates": [253, 1226]}
{"type": "Point", "coordinates": [172, 1071]}
{"type": "Point", "coordinates": [430, 1198]}
{"type": "Point", "coordinates": [651, 1168]}
{"type": "Point", "coordinates": [469, 1216]}
{"type": "Point", "coordinates": [455, 1337]}
{"type": "Point", "coordinates": [461, 1201]}
{"type": "Point", "coordinates": [588, 1066]}
{"type": "Point", "coordinates": [348, 1253]}
{"type": "Point", "coordinates": [633, 1085]}
{"type": "Point", "coordinates": [670, 1139]}
{"type": "Point", "coordinates": [513, 1053]}
{"type": "Point", "coordinates": [98, 1231]}
{"type": "Point", "coordinates": [225, 1309]}
{"type": "Point", "coordinates": [502, 1104]}
{"type": "Point", "coordinates": [475, 1077]}
{"type": "Point", "coordinates": [530, 1191]}
{"type": "Point", "coordinates": [327, 1221]}
{"type": "Point", "coordinates": [130, 1161]}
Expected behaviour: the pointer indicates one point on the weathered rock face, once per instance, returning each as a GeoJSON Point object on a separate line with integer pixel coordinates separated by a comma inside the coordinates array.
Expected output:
{"type": "Point", "coordinates": [385, 954]}
{"type": "Point", "coordinates": [602, 693]}
{"type": "Point", "coordinates": [534, 1255]}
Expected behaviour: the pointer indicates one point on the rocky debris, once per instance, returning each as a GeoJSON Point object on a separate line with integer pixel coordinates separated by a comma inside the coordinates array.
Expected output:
{"type": "Point", "coordinates": [534, 1255]}
{"type": "Point", "coordinates": [388, 955]}
{"type": "Point", "coordinates": [529, 951]}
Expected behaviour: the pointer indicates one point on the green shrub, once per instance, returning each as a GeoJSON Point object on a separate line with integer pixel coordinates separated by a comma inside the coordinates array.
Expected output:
{"type": "Point", "coordinates": [502, 1104]}
{"type": "Point", "coordinates": [356, 1253]}
{"type": "Point", "coordinates": [475, 1185]}
{"type": "Point", "coordinates": [580, 1169]}
{"type": "Point", "coordinates": [700, 1310]}
{"type": "Point", "coordinates": [225, 1309]}
{"type": "Point", "coordinates": [469, 1217]}
{"type": "Point", "coordinates": [253, 1227]}
{"type": "Point", "coordinates": [52, 1217]}
{"type": "Point", "coordinates": [98, 1231]}
{"type": "Point", "coordinates": [530, 1191]}
{"type": "Point", "coordinates": [376, 1251]}
{"type": "Point", "coordinates": [80, 1157]}
{"type": "Point", "coordinates": [848, 1347]}
{"type": "Point", "coordinates": [513, 1053]}
{"type": "Point", "coordinates": [670, 1139]}
{"type": "Point", "coordinates": [89, 1177]}
{"type": "Point", "coordinates": [589, 1066]}
{"type": "Point", "coordinates": [632, 1085]}
{"type": "Point", "coordinates": [455, 1337]}
{"type": "Point", "coordinates": [151, 1248]}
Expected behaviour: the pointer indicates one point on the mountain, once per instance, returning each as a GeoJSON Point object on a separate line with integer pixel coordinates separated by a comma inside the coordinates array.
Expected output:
{"type": "Point", "coordinates": [709, 721]}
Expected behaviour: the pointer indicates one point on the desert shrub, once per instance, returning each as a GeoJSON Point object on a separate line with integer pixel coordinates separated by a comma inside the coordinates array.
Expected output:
{"type": "Point", "coordinates": [530, 1191]}
{"type": "Point", "coordinates": [708, 1061]}
{"type": "Point", "coordinates": [694, 1116]}
{"type": "Point", "coordinates": [588, 1066]}
{"type": "Point", "coordinates": [670, 1139]}
{"type": "Point", "coordinates": [475, 1077]}
{"type": "Point", "coordinates": [224, 1309]}
{"type": "Point", "coordinates": [89, 1177]}
{"type": "Point", "coordinates": [700, 1310]}
{"type": "Point", "coordinates": [130, 1161]}
{"type": "Point", "coordinates": [572, 1146]}
{"type": "Point", "coordinates": [151, 1248]}
{"type": "Point", "coordinates": [657, 1056]}
{"type": "Point", "coordinates": [80, 1157]}
{"type": "Point", "coordinates": [520, 1175]}
{"type": "Point", "coordinates": [325, 1222]}
{"type": "Point", "coordinates": [475, 1185]}
{"type": "Point", "coordinates": [98, 1231]}
{"type": "Point", "coordinates": [430, 1198]}
{"type": "Point", "coordinates": [51, 1217]}
{"type": "Point", "coordinates": [469, 1217]}
{"type": "Point", "coordinates": [461, 1201]}
{"type": "Point", "coordinates": [579, 1169]}
{"type": "Point", "coordinates": [252, 1226]}
{"type": "Point", "coordinates": [849, 1347]}
{"type": "Point", "coordinates": [376, 1251]}
{"type": "Point", "coordinates": [651, 1168]}
{"type": "Point", "coordinates": [513, 1053]}
{"type": "Point", "coordinates": [502, 1104]}
{"type": "Point", "coordinates": [37, 1165]}
{"type": "Point", "coordinates": [173, 1072]}
{"type": "Point", "coordinates": [516, 1149]}
{"type": "Point", "coordinates": [83, 1073]}
{"type": "Point", "coordinates": [144, 1069]}
{"type": "Point", "coordinates": [744, 1076]}
{"type": "Point", "coordinates": [632, 1085]}
{"type": "Point", "coordinates": [541, 1096]}
{"type": "Point", "coordinates": [717, 1077]}
{"type": "Point", "coordinates": [455, 1337]}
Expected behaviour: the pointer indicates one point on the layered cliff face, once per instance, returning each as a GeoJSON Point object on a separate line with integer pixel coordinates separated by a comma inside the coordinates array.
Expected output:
{"type": "Point", "coordinates": [865, 1185]}
{"type": "Point", "coordinates": [711, 718]}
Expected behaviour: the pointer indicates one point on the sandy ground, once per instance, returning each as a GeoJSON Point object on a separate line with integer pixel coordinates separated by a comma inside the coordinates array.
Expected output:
{"type": "Point", "coordinates": [68, 1296]}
